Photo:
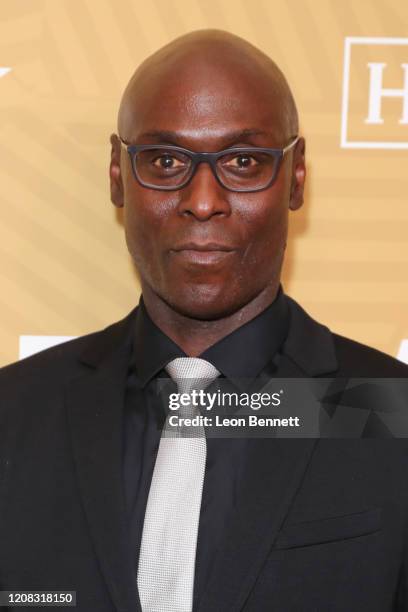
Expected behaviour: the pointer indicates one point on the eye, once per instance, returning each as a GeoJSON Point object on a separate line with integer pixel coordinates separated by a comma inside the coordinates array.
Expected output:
{"type": "Point", "coordinates": [241, 161]}
{"type": "Point", "coordinates": [167, 162]}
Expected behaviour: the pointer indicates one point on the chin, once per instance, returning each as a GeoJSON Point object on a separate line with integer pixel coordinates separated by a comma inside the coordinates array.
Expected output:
{"type": "Point", "coordinates": [205, 302]}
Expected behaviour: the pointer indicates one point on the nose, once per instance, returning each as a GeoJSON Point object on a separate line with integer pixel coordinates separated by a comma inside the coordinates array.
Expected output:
{"type": "Point", "coordinates": [204, 197]}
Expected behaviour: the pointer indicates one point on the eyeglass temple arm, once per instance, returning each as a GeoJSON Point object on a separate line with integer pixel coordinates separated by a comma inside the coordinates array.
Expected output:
{"type": "Point", "coordinates": [290, 145]}
{"type": "Point", "coordinates": [123, 143]}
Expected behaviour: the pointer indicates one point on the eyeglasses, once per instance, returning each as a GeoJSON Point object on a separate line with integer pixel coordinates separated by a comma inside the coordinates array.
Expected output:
{"type": "Point", "coordinates": [168, 168]}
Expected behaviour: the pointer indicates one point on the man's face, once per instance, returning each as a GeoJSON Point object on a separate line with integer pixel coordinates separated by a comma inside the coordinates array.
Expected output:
{"type": "Point", "coordinates": [204, 250]}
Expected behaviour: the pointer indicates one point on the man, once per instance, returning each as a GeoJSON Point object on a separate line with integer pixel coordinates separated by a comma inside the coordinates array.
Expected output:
{"type": "Point", "coordinates": [94, 497]}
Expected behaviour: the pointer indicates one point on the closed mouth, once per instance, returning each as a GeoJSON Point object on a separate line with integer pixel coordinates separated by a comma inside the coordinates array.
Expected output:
{"type": "Point", "coordinates": [203, 247]}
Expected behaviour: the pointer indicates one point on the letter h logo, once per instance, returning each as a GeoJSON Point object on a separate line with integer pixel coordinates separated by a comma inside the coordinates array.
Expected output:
{"type": "Point", "coordinates": [375, 93]}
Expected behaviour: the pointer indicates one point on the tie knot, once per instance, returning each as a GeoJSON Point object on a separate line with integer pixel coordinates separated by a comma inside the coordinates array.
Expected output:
{"type": "Point", "coordinates": [191, 373]}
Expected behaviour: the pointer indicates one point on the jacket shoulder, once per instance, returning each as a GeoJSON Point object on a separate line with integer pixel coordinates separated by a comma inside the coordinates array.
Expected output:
{"type": "Point", "coordinates": [60, 362]}
{"type": "Point", "coordinates": [356, 359]}
{"type": "Point", "coordinates": [318, 349]}
{"type": "Point", "coordinates": [54, 359]}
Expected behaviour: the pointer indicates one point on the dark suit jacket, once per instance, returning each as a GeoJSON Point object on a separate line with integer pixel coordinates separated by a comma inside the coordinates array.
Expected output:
{"type": "Point", "coordinates": [321, 524]}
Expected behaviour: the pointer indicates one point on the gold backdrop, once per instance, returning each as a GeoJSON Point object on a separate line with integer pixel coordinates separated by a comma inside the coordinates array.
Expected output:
{"type": "Point", "coordinates": [64, 267]}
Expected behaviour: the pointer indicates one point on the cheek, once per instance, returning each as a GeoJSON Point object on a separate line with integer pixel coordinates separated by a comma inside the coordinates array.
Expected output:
{"type": "Point", "coordinates": [146, 213]}
{"type": "Point", "coordinates": [266, 224]}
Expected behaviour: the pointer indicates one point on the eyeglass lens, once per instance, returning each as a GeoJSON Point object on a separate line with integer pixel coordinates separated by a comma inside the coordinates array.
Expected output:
{"type": "Point", "coordinates": [170, 168]}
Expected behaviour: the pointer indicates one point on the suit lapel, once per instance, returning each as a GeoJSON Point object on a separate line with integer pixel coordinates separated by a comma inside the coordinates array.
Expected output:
{"type": "Point", "coordinates": [94, 408]}
{"type": "Point", "coordinates": [273, 474]}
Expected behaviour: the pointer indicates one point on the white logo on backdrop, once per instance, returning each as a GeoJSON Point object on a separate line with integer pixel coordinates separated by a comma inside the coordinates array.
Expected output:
{"type": "Point", "coordinates": [28, 345]}
{"type": "Point", "coordinates": [376, 93]}
{"type": "Point", "coordinates": [4, 71]}
{"type": "Point", "coordinates": [403, 351]}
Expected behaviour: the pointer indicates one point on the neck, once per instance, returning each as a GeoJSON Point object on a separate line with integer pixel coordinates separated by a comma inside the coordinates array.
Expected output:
{"type": "Point", "coordinates": [194, 336]}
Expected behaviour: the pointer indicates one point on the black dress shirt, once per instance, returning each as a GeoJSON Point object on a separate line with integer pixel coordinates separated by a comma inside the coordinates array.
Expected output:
{"type": "Point", "coordinates": [248, 353]}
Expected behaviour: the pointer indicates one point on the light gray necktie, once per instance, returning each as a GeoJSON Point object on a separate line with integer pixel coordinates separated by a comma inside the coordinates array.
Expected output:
{"type": "Point", "coordinates": [165, 575]}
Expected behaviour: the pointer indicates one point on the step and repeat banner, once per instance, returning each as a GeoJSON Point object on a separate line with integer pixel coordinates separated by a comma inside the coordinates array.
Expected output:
{"type": "Point", "coordinates": [64, 266]}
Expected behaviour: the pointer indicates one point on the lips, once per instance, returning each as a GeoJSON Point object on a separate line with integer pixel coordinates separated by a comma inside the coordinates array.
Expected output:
{"type": "Point", "coordinates": [203, 247]}
{"type": "Point", "coordinates": [202, 253]}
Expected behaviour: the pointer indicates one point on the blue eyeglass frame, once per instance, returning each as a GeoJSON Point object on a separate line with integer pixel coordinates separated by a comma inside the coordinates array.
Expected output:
{"type": "Point", "coordinates": [206, 157]}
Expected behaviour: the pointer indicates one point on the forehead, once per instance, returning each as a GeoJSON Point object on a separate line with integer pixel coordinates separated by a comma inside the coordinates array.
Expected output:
{"type": "Point", "coordinates": [204, 104]}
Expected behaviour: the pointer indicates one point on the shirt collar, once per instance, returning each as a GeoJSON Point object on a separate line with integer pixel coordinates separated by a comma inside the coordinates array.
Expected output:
{"type": "Point", "coordinates": [152, 349]}
{"type": "Point", "coordinates": [240, 355]}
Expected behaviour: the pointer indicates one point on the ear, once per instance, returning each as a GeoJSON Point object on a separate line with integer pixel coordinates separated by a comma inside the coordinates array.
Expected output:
{"type": "Point", "coordinates": [116, 183]}
{"type": "Point", "coordinates": [298, 175]}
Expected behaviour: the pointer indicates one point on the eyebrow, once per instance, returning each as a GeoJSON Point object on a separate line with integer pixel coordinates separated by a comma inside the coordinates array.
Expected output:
{"type": "Point", "coordinates": [172, 137]}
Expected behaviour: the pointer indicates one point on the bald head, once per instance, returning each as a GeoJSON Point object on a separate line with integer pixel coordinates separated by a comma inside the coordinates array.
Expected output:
{"type": "Point", "coordinates": [206, 62]}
